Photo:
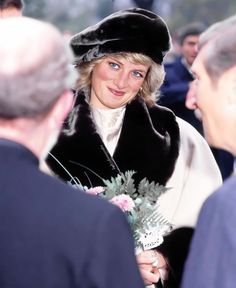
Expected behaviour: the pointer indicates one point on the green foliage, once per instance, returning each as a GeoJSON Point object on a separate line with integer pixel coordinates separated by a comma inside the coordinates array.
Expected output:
{"type": "Point", "coordinates": [151, 190]}
{"type": "Point", "coordinates": [122, 184]}
{"type": "Point", "coordinates": [145, 219]}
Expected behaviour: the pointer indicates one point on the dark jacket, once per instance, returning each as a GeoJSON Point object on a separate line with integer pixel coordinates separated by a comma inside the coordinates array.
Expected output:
{"type": "Point", "coordinates": [55, 236]}
{"type": "Point", "coordinates": [148, 144]}
{"type": "Point", "coordinates": [212, 261]}
{"type": "Point", "coordinates": [174, 91]}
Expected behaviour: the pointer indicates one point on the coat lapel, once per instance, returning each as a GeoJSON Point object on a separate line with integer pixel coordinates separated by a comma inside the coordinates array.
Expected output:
{"type": "Point", "coordinates": [148, 142]}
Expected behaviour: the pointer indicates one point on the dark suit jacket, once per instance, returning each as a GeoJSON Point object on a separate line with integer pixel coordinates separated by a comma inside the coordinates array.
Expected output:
{"type": "Point", "coordinates": [174, 90]}
{"type": "Point", "coordinates": [212, 259]}
{"type": "Point", "coordinates": [52, 235]}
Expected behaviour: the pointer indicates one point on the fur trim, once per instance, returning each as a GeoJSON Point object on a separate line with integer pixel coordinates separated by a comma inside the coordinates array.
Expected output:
{"type": "Point", "coordinates": [132, 30]}
{"type": "Point", "coordinates": [148, 144]}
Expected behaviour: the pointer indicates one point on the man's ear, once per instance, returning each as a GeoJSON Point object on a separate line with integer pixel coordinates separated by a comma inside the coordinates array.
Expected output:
{"type": "Point", "coordinates": [231, 97]}
{"type": "Point", "coordinates": [61, 109]}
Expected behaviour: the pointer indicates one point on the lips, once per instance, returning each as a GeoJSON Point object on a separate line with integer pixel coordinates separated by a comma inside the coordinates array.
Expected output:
{"type": "Point", "coordinates": [116, 92]}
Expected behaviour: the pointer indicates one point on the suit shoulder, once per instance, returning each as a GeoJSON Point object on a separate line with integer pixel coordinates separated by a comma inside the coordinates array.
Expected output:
{"type": "Point", "coordinates": [226, 195]}
{"type": "Point", "coordinates": [172, 64]}
{"type": "Point", "coordinates": [72, 197]}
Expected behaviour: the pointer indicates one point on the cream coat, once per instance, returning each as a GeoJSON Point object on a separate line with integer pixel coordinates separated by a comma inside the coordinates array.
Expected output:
{"type": "Point", "coordinates": [196, 176]}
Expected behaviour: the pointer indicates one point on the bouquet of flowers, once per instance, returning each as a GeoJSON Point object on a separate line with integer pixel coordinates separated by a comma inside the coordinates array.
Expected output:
{"type": "Point", "coordinates": [139, 204]}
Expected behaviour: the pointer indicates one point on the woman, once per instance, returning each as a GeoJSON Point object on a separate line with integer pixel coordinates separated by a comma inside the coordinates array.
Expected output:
{"type": "Point", "coordinates": [116, 126]}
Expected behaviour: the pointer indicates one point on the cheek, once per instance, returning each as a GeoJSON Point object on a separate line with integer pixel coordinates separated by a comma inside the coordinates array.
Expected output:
{"type": "Point", "coordinates": [102, 73]}
{"type": "Point", "coordinates": [99, 76]}
{"type": "Point", "coordinates": [136, 85]}
{"type": "Point", "coordinates": [202, 96]}
{"type": "Point", "coordinates": [210, 115]}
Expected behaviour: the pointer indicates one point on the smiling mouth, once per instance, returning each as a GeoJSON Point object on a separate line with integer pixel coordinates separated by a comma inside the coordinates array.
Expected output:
{"type": "Point", "coordinates": [116, 92]}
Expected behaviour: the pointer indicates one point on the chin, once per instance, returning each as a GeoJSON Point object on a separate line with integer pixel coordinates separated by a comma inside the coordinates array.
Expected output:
{"type": "Point", "coordinates": [208, 136]}
{"type": "Point", "coordinates": [211, 140]}
{"type": "Point", "coordinates": [114, 105]}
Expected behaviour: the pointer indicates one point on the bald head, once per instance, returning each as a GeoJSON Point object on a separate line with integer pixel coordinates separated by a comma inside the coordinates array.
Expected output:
{"type": "Point", "coordinates": [25, 43]}
{"type": "Point", "coordinates": [34, 67]}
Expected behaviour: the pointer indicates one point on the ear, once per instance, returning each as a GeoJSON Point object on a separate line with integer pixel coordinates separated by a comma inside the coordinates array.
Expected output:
{"type": "Point", "coordinates": [233, 73]}
{"type": "Point", "coordinates": [61, 109]}
{"type": "Point", "coordinates": [231, 81]}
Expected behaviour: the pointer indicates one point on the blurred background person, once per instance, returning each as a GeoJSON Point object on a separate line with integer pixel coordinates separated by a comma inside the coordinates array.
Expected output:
{"type": "Point", "coordinates": [179, 76]}
{"type": "Point", "coordinates": [11, 8]}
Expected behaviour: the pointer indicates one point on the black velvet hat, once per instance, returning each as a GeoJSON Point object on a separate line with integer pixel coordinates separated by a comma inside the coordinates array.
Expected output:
{"type": "Point", "coordinates": [132, 30]}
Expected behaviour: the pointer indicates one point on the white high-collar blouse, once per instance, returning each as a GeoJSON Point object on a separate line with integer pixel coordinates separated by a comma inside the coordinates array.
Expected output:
{"type": "Point", "coordinates": [108, 123]}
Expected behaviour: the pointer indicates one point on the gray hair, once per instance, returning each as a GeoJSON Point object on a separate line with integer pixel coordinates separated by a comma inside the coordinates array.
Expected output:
{"type": "Point", "coordinates": [151, 84]}
{"type": "Point", "coordinates": [220, 54]}
{"type": "Point", "coordinates": [31, 84]}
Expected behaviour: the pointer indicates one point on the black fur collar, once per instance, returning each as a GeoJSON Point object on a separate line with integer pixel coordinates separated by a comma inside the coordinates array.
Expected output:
{"type": "Point", "coordinates": [148, 144]}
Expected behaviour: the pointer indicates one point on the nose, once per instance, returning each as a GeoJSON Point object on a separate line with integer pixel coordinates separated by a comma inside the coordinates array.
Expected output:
{"type": "Point", "coordinates": [190, 101]}
{"type": "Point", "coordinates": [121, 80]}
{"type": "Point", "coordinates": [195, 48]}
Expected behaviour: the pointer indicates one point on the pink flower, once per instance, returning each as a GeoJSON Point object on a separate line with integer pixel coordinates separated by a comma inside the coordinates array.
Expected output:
{"type": "Point", "coordinates": [124, 202]}
{"type": "Point", "coordinates": [95, 190]}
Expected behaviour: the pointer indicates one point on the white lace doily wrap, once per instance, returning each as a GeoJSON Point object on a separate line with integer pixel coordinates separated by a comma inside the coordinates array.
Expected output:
{"type": "Point", "coordinates": [151, 240]}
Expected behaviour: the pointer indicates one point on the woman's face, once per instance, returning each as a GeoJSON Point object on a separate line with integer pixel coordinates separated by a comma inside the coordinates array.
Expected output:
{"type": "Point", "coordinates": [115, 82]}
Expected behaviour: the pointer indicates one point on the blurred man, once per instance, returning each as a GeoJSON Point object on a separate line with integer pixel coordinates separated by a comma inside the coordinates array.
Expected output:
{"type": "Point", "coordinates": [11, 8]}
{"type": "Point", "coordinates": [179, 75]}
{"type": "Point", "coordinates": [51, 235]}
{"type": "Point", "coordinates": [212, 258]}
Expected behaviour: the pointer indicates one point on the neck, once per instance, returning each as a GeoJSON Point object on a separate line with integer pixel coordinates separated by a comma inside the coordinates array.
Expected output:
{"type": "Point", "coordinates": [25, 132]}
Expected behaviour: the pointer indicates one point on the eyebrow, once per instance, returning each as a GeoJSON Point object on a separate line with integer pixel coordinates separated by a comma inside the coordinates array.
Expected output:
{"type": "Point", "coordinates": [114, 59]}
{"type": "Point", "coordinates": [139, 70]}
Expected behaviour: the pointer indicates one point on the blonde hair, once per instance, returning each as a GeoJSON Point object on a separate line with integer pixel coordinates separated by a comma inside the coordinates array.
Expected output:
{"type": "Point", "coordinates": [151, 84]}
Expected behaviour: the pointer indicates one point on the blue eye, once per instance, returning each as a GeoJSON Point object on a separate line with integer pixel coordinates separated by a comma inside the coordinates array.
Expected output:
{"type": "Point", "coordinates": [114, 65]}
{"type": "Point", "coordinates": [138, 74]}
